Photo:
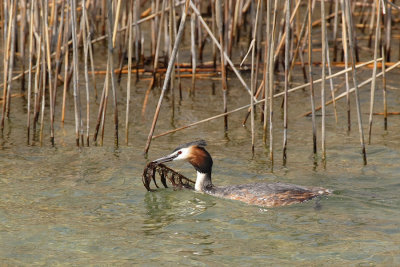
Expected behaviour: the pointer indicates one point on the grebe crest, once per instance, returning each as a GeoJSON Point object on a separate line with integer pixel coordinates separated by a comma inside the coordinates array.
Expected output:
{"type": "Point", "coordinates": [262, 194]}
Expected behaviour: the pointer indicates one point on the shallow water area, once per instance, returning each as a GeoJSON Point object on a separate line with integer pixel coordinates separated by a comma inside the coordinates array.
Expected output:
{"type": "Point", "coordinates": [65, 205]}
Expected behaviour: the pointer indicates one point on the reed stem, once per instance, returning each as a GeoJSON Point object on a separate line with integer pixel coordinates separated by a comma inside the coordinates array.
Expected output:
{"type": "Point", "coordinates": [285, 103]}
{"type": "Point", "coordinates": [353, 62]}
{"type": "Point", "coordinates": [168, 74]}
{"type": "Point", "coordinates": [323, 74]}
{"type": "Point", "coordinates": [373, 83]}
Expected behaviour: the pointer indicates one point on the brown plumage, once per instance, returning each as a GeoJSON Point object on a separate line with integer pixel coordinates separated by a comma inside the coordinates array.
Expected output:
{"type": "Point", "coordinates": [269, 195]}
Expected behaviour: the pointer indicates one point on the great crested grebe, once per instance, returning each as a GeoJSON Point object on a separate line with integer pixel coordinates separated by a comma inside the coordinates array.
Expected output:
{"type": "Point", "coordinates": [262, 194]}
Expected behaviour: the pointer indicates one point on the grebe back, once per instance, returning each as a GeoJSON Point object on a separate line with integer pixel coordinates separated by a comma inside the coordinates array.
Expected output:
{"type": "Point", "coordinates": [262, 194]}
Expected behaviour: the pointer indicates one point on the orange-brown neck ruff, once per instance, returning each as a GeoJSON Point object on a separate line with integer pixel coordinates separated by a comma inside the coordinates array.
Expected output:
{"type": "Point", "coordinates": [200, 159]}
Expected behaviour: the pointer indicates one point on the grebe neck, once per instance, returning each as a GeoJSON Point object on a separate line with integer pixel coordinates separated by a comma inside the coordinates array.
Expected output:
{"type": "Point", "coordinates": [203, 182]}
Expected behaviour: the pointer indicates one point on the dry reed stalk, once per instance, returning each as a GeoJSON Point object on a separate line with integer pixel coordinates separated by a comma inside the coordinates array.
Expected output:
{"type": "Point", "coordinates": [66, 65]}
{"type": "Point", "coordinates": [262, 101]}
{"type": "Point", "coordinates": [154, 23]}
{"type": "Point", "coordinates": [163, 70]}
{"type": "Point", "coordinates": [166, 36]}
{"type": "Point", "coordinates": [79, 39]}
{"type": "Point", "coordinates": [43, 85]}
{"type": "Point", "coordinates": [373, 83]}
{"type": "Point", "coordinates": [285, 103]}
{"type": "Point", "coordinates": [271, 87]}
{"type": "Point", "coordinates": [328, 17]}
{"type": "Point", "coordinates": [346, 58]}
{"type": "Point", "coordinates": [337, 74]}
{"type": "Point", "coordinates": [372, 23]}
{"type": "Point", "coordinates": [49, 69]}
{"type": "Point", "coordinates": [388, 28]}
{"type": "Point", "coordinates": [353, 89]}
{"type": "Point", "coordinates": [266, 70]}
{"type": "Point", "coordinates": [388, 113]}
{"type": "Point", "coordinates": [258, 92]}
{"type": "Point", "coordinates": [146, 96]}
{"type": "Point", "coordinates": [198, 75]}
{"type": "Point", "coordinates": [283, 36]}
{"type": "Point", "coordinates": [37, 82]}
{"type": "Point", "coordinates": [101, 108]}
{"type": "Point", "coordinates": [384, 60]}
{"type": "Point", "coordinates": [353, 62]}
{"type": "Point", "coordinates": [225, 16]}
{"type": "Point", "coordinates": [206, 120]}
{"type": "Point", "coordinates": [116, 21]}
{"type": "Point", "coordinates": [103, 16]}
{"type": "Point", "coordinates": [11, 58]}
{"type": "Point", "coordinates": [297, 50]}
{"type": "Point", "coordinates": [323, 74]}
{"type": "Point", "coordinates": [193, 50]}
{"type": "Point", "coordinates": [89, 41]}
{"type": "Point", "coordinates": [228, 60]}
{"type": "Point", "coordinates": [213, 27]}
{"type": "Point", "coordinates": [124, 34]}
{"type": "Point", "coordinates": [136, 10]}
{"type": "Point", "coordinates": [58, 62]}
{"type": "Point", "coordinates": [112, 73]}
{"type": "Point", "coordinates": [385, 113]}
{"type": "Point", "coordinates": [219, 18]}
{"type": "Point", "coordinates": [50, 39]}
{"type": "Point", "coordinates": [6, 46]}
{"type": "Point", "coordinates": [128, 85]}
{"type": "Point", "coordinates": [14, 95]}
{"type": "Point", "coordinates": [200, 39]}
{"type": "Point", "coordinates": [137, 23]}
{"type": "Point", "coordinates": [168, 74]}
{"type": "Point", "coordinates": [104, 104]}
{"type": "Point", "coordinates": [240, 19]}
{"type": "Point", "coordinates": [28, 120]}
{"type": "Point", "coordinates": [259, 52]}
{"type": "Point", "coordinates": [77, 106]}
{"type": "Point", "coordinates": [328, 61]}
{"type": "Point", "coordinates": [341, 64]}
{"type": "Point", "coordinates": [86, 52]}
{"type": "Point", "coordinates": [258, 47]}
{"type": "Point", "coordinates": [172, 34]}
{"type": "Point", "coordinates": [311, 79]}
{"type": "Point", "coordinates": [53, 20]}
{"type": "Point", "coordinates": [2, 13]}
{"type": "Point", "coordinates": [234, 26]}
{"type": "Point", "coordinates": [335, 30]}
{"type": "Point", "coordinates": [16, 77]}
{"type": "Point", "coordinates": [53, 17]}
{"type": "Point", "coordinates": [22, 38]}
{"type": "Point", "coordinates": [253, 75]}
{"type": "Point", "coordinates": [125, 71]}
{"type": "Point", "coordinates": [157, 48]}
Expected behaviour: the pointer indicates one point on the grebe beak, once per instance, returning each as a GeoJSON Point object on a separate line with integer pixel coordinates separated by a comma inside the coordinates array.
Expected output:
{"type": "Point", "coordinates": [168, 158]}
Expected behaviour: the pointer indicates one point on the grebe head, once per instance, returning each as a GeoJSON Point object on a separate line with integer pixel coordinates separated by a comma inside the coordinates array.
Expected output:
{"type": "Point", "coordinates": [195, 153]}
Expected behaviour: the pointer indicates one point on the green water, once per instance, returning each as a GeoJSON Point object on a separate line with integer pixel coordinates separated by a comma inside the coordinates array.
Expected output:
{"type": "Point", "coordinates": [67, 206]}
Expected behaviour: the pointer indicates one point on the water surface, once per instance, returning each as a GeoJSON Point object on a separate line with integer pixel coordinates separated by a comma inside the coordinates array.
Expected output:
{"type": "Point", "coordinates": [65, 205]}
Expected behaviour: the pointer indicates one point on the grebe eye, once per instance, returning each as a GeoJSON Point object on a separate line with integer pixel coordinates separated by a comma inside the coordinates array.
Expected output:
{"type": "Point", "coordinates": [179, 152]}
